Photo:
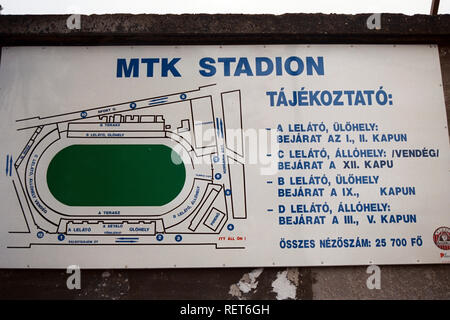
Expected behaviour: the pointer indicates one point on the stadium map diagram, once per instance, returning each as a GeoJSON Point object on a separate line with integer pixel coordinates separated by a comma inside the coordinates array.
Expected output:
{"type": "Point", "coordinates": [156, 171]}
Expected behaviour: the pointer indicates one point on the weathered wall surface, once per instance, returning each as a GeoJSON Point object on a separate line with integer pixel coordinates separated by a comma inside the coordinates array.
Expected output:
{"type": "Point", "coordinates": [222, 29]}
{"type": "Point", "coordinates": [397, 282]}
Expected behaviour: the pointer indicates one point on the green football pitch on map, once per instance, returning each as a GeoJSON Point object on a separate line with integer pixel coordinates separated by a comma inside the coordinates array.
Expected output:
{"type": "Point", "coordinates": [116, 175]}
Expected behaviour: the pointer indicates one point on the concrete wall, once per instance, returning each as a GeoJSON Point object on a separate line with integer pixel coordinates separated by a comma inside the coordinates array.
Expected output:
{"type": "Point", "coordinates": [397, 282]}
{"type": "Point", "coordinates": [222, 29]}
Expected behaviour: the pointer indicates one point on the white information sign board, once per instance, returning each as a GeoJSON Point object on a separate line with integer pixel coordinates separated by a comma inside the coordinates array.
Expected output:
{"type": "Point", "coordinates": [219, 156]}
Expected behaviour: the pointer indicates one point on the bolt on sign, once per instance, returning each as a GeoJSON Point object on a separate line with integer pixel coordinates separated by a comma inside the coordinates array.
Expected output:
{"type": "Point", "coordinates": [208, 156]}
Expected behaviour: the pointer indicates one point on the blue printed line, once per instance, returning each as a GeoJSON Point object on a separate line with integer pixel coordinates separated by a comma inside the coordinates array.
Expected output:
{"type": "Point", "coordinates": [217, 127]}
{"type": "Point", "coordinates": [7, 163]}
{"type": "Point", "coordinates": [157, 102]}
{"type": "Point", "coordinates": [127, 240]}
{"type": "Point", "coordinates": [10, 165]}
{"type": "Point", "coordinates": [221, 128]}
{"type": "Point", "coordinates": [158, 99]}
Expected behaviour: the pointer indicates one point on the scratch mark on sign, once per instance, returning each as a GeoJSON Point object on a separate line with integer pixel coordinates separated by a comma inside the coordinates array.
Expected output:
{"type": "Point", "coordinates": [246, 284]}
{"type": "Point", "coordinates": [285, 285]}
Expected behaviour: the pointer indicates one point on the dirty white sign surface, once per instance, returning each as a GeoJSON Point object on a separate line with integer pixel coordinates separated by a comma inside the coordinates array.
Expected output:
{"type": "Point", "coordinates": [208, 156]}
